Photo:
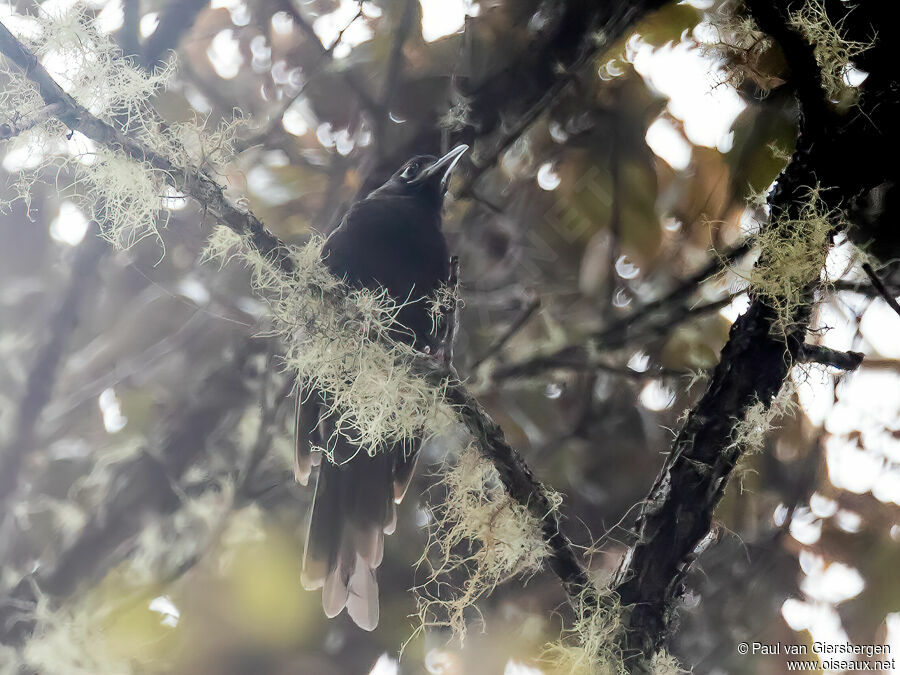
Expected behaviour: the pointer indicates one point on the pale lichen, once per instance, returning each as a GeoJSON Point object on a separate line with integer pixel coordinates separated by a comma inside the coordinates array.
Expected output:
{"type": "Point", "coordinates": [130, 199]}
{"type": "Point", "coordinates": [749, 434]}
{"type": "Point", "coordinates": [458, 115]}
{"type": "Point", "coordinates": [792, 254]}
{"type": "Point", "coordinates": [591, 646]}
{"type": "Point", "coordinates": [833, 51]}
{"type": "Point", "coordinates": [444, 301]}
{"type": "Point", "coordinates": [741, 47]}
{"type": "Point", "coordinates": [105, 632]}
{"type": "Point", "coordinates": [478, 537]}
{"type": "Point", "coordinates": [9, 660]}
{"type": "Point", "coordinates": [663, 663]}
{"type": "Point", "coordinates": [337, 341]}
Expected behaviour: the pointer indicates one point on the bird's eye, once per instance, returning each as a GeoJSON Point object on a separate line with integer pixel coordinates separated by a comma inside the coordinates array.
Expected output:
{"type": "Point", "coordinates": [410, 171]}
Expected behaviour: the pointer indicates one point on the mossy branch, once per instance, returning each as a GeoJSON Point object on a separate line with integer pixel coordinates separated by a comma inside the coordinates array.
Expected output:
{"type": "Point", "coordinates": [44, 370]}
{"type": "Point", "coordinates": [522, 486]}
{"type": "Point", "coordinates": [515, 475]}
{"type": "Point", "coordinates": [14, 127]}
{"type": "Point", "coordinates": [192, 182]}
{"type": "Point", "coordinates": [140, 488]}
{"type": "Point", "coordinates": [676, 517]}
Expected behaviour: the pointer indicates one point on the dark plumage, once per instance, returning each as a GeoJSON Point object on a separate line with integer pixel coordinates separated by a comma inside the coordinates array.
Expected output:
{"type": "Point", "coordinates": [391, 239]}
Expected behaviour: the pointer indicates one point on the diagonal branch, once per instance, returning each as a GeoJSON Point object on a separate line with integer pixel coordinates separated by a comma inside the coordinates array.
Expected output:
{"type": "Point", "coordinates": [881, 288]}
{"type": "Point", "coordinates": [515, 474]}
{"type": "Point", "coordinates": [358, 88]}
{"type": "Point", "coordinates": [514, 327]}
{"type": "Point", "coordinates": [43, 373]}
{"type": "Point", "coordinates": [141, 486]}
{"type": "Point", "coordinates": [522, 486]}
{"type": "Point", "coordinates": [646, 323]}
{"type": "Point", "coordinates": [677, 514]}
{"type": "Point", "coordinates": [190, 181]}
{"type": "Point", "coordinates": [14, 127]}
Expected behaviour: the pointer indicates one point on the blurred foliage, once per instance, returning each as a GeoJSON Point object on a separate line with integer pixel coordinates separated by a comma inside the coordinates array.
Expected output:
{"type": "Point", "coordinates": [574, 209]}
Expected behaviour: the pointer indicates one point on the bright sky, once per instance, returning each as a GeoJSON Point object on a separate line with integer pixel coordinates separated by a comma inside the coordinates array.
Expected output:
{"type": "Point", "coordinates": [692, 83]}
{"type": "Point", "coordinates": [445, 17]}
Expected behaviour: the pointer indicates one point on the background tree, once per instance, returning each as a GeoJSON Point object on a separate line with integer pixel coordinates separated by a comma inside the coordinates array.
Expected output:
{"type": "Point", "coordinates": [607, 244]}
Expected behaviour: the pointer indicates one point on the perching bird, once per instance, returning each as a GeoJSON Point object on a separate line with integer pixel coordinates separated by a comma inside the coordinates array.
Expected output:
{"type": "Point", "coordinates": [391, 239]}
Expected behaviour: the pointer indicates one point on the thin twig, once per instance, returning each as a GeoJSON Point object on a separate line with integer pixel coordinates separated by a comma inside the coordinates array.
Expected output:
{"type": "Point", "coordinates": [848, 361]}
{"type": "Point", "coordinates": [47, 359]}
{"type": "Point", "coordinates": [450, 319]}
{"type": "Point", "coordinates": [676, 295]}
{"type": "Point", "coordinates": [274, 119]}
{"type": "Point", "coordinates": [266, 427]}
{"type": "Point", "coordinates": [579, 355]}
{"type": "Point", "coordinates": [514, 473]}
{"type": "Point", "coordinates": [881, 288]}
{"type": "Point", "coordinates": [366, 100]}
{"type": "Point", "coordinates": [14, 127]}
{"type": "Point", "coordinates": [508, 334]}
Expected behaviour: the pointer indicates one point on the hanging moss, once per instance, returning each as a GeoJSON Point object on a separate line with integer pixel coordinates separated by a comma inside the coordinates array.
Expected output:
{"type": "Point", "coordinates": [478, 533]}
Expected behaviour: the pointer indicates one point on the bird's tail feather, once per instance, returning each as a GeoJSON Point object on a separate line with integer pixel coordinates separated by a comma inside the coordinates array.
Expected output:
{"type": "Point", "coordinates": [353, 508]}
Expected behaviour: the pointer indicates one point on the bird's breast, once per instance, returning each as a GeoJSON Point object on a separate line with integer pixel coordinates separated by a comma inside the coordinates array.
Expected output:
{"type": "Point", "coordinates": [409, 259]}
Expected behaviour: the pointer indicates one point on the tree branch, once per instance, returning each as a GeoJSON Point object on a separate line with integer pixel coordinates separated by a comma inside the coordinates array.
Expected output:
{"type": "Point", "coordinates": [881, 288]}
{"type": "Point", "coordinates": [514, 327]}
{"type": "Point", "coordinates": [190, 181]}
{"type": "Point", "coordinates": [45, 367]}
{"type": "Point", "coordinates": [140, 487]}
{"type": "Point", "coordinates": [14, 127]}
{"type": "Point", "coordinates": [515, 474]}
{"type": "Point", "coordinates": [676, 516]}
{"type": "Point", "coordinates": [575, 356]}
{"type": "Point", "coordinates": [523, 487]}
{"type": "Point", "coordinates": [84, 269]}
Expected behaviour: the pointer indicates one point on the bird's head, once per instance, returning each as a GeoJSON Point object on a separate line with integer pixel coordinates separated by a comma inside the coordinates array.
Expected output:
{"type": "Point", "coordinates": [423, 176]}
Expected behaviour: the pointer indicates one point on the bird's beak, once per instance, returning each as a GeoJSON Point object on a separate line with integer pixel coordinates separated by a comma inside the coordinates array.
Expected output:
{"type": "Point", "coordinates": [443, 168]}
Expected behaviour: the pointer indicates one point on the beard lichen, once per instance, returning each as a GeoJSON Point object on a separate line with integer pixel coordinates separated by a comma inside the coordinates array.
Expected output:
{"type": "Point", "coordinates": [834, 53]}
{"type": "Point", "coordinates": [129, 623]}
{"type": "Point", "coordinates": [9, 660]}
{"type": "Point", "coordinates": [663, 663]}
{"type": "Point", "coordinates": [792, 254]}
{"type": "Point", "coordinates": [741, 46]}
{"type": "Point", "coordinates": [105, 632]}
{"type": "Point", "coordinates": [749, 434]}
{"type": "Point", "coordinates": [128, 198]}
{"type": "Point", "coordinates": [591, 646]}
{"type": "Point", "coordinates": [337, 341]}
{"type": "Point", "coordinates": [478, 538]}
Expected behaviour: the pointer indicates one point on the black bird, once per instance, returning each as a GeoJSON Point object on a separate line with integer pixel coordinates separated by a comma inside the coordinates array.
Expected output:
{"type": "Point", "coordinates": [392, 239]}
